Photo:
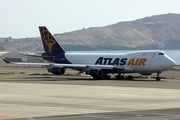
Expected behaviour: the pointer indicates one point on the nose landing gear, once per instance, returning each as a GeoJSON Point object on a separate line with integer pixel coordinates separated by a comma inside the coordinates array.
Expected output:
{"type": "Point", "coordinates": [158, 78]}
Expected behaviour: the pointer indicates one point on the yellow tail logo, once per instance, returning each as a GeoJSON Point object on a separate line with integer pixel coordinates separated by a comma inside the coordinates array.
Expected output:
{"type": "Point", "coordinates": [48, 39]}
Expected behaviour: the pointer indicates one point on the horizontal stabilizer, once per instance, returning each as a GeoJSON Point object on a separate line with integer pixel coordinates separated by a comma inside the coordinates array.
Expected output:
{"type": "Point", "coordinates": [6, 61]}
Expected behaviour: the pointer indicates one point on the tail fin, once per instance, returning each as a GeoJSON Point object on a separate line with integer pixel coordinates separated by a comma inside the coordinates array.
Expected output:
{"type": "Point", "coordinates": [50, 44]}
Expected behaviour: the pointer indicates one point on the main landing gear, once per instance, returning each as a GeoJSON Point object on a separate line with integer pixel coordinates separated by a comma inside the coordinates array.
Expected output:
{"type": "Point", "coordinates": [104, 77]}
{"type": "Point", "coordinates": [158, 78]}
{"type": "Point", "coordinates": [119, 77]}
{"type": "Point", "coordinates": [108, 77]}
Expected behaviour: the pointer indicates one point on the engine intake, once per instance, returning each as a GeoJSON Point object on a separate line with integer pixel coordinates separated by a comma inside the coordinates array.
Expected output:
{"type": "Point", "coordinates": [57, 70]}
{"type": "Point", "coordinates": [96, 72]}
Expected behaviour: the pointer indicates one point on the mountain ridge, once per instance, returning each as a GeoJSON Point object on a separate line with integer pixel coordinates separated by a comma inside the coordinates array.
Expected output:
{"type": "Point", "coordinates": [154, 32]}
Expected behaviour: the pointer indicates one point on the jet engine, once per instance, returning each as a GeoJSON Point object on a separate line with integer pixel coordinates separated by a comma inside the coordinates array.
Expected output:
{"type": "Point", "coordinates": [57, 70]}
{"type": "Point", "coordinates": [96, 72]}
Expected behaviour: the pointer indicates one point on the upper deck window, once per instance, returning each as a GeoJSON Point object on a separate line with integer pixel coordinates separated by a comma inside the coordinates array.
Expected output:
{"type": "Point", "coordinates": [161, 54]}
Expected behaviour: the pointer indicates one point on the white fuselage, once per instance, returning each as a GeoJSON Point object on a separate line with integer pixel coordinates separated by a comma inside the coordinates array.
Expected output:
{"type": "Point", "coordinates": [139, 61]}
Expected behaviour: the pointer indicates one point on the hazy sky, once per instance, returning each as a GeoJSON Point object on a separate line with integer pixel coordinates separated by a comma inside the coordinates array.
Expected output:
{"type": "Point", "coordinates": [21, 18]}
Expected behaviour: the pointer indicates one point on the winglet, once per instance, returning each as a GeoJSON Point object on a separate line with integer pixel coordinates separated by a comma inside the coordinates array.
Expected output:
{"type": "Point", "coordinates": [6, 61]}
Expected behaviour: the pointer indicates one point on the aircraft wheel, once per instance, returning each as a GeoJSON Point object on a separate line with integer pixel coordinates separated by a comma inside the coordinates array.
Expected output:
{"type": "Point", "coordinates": [158, 78]}
{"type": "Point", "coordinates": [119, 77]}
{"type": "Point", "coordinates": [97, 78]}
{"type": "Point", "coordinates": [130, 77]}
{"type": "Point", "coordinates": [108, 77]}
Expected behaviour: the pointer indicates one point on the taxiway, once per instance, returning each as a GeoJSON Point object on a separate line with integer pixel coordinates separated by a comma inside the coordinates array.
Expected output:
{"type": "Point", "coordinates": [44, 97]}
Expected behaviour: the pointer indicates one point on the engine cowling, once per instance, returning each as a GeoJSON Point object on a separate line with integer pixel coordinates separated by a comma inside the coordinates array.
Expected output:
{"type": "Point", "coordinates": [96, 72]}
{"type": "Point", "coordinates": [57, 70]}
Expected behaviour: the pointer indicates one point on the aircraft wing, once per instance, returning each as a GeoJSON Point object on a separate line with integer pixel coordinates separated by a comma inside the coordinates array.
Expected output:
{"type": "Point", "coordinates": [48, 65]}
{"type": "Point", "coordinates": [37, 55]}
{"type": "Point", "coordinates": [81, 67]}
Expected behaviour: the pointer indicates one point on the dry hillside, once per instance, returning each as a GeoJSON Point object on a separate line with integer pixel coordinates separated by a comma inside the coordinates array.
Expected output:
{"type": "Point", "coordinates": [155, 32]}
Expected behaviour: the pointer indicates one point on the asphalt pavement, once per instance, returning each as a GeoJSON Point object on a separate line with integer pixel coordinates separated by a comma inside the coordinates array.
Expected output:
{"type": "Point", "coordinates": [26, 95]}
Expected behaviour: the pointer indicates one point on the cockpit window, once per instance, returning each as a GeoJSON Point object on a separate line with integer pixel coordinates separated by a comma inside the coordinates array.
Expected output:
{"type": "Point", "coordinates": [161, 54]}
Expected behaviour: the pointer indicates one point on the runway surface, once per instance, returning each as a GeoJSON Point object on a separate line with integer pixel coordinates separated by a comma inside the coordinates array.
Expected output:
{"type": "Point", "coordinates": [45, 97]}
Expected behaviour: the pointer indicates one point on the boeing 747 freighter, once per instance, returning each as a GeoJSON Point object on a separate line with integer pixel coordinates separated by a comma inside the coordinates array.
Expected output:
{"type": "Point", "coordinates": [100, 65]}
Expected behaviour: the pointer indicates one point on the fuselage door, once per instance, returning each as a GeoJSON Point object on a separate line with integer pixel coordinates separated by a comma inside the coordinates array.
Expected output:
{"type": "Point", "coordinates": [153, 55]}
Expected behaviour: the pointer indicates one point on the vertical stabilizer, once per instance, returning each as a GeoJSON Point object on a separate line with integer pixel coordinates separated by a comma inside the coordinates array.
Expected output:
{"type": "Point", "coordinates": [50, 44]}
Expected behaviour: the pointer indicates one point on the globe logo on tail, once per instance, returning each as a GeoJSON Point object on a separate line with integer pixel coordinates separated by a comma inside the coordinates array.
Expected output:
{"type": "Point", "coordinates": [48, 39]}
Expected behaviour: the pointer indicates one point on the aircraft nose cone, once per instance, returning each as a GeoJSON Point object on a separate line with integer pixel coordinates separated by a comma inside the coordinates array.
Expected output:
{"type": "Point", "coordinates": [168, 63]}
{"type": "Point", "coordinates": [172, 63]}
